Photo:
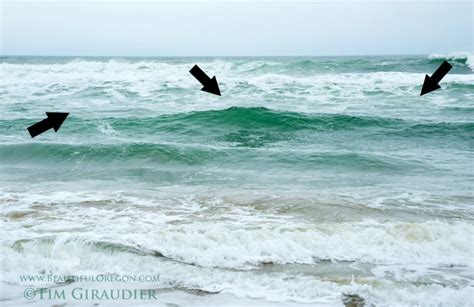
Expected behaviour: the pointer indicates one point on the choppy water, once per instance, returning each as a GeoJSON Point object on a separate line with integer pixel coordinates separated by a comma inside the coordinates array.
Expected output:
{"type": "Point", "coordinates": [309, 180]}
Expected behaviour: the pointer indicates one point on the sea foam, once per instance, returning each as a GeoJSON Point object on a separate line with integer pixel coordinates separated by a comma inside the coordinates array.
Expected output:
{"type": "Point", "coordinates": [463, 57]}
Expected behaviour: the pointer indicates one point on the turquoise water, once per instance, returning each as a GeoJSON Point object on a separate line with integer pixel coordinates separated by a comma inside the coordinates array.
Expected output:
{"type": "Point", "coordinates": [332, 169]}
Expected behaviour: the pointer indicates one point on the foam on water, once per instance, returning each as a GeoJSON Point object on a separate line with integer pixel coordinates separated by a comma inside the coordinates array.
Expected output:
{"type": "Point", "coordinates": [462, 57]}
{"type": "Point", "coordinates": [109, 86]}
{"type": "Point", "coordinates": [309, 180]}
{"type": "Point", "coordinates": [194, 243]}
{"type": "Point", "coordinates": [236, 238]}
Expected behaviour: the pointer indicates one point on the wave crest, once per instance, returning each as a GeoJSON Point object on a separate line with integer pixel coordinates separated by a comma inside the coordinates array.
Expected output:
{"type": "Point", "coordinates": [461, 57]}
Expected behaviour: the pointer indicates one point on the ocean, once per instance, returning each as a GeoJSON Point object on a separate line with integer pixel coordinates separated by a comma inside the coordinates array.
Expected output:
{"type": "Point", "coordinates": [311, 181]}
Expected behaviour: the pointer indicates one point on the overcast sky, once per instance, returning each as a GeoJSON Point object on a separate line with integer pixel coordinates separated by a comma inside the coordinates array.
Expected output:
{"type": "Point", "coordinates": [177, 28]}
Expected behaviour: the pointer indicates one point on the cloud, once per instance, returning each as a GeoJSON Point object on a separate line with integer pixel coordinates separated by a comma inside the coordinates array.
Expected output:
{"type": "Point", "coordinates": [178, 28]}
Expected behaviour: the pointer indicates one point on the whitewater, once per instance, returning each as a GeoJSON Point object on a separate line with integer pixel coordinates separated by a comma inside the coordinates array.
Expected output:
{"type": "Point", "coordinates": [311, 181]}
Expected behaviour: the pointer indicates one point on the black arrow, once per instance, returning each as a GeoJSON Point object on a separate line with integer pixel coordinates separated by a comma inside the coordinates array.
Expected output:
{"type": "Point", "coordinates": [431, 83]}
{"type": "Point", "coordinates": [54, 120]}
{"type": "Point", "coordinates": [209, 85]}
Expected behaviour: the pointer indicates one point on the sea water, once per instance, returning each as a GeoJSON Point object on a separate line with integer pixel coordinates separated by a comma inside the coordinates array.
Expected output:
{"type": "Point", "coordinates": [311, 180]}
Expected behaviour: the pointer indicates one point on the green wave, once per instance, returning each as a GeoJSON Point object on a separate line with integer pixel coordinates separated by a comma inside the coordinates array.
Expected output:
{"type": "Point", "coordinates": [238, 123]}
{"type": "Point", "coordinates": [101, 153]}
{"type": "Point", "coordinates": [146, 156]}
{"type": "Point", "coordinates": [234, 135]}
{"type": "Point", "coordinates": [253, 118]}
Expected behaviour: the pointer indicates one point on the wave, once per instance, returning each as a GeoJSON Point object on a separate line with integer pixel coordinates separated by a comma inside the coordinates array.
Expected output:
{"type": "Point", "coordinates": [360, 64]}
{"type": "Point", "coordinates": [299, 66]}
{"type": "Point", "coordinates": [462, 58]}
{"type": "Point", "coordinates": [196, 137]}
{"type": "Point", "coordinates": [141, 159]}
{"type": "Point", "coordinates": [396, 243]}
{"type": "Point", "coordinates": [260, 117]}
{"type": "Point", "coordinates": [219, 122]}
{"type": "Point", "coordinates": [173, 68]}
{"type": "Point", "coordinates": [428, 245]}
{"type": "Point", "coordinates": [65, 153]}
{"type": "Point", "coordinates": [232, 247]}
{"type": "Point", "coordinates": [264, 118]}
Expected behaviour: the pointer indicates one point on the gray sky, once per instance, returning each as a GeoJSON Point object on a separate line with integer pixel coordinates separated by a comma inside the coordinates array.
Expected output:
{"type": "Point", "coordinates": [177, 28]}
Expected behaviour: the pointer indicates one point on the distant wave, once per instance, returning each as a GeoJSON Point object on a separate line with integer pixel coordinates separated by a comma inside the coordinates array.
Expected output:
{"type": "Point", "coordinates": [462, 57]}
{"type": "Point", "coordinates": [171, 69]}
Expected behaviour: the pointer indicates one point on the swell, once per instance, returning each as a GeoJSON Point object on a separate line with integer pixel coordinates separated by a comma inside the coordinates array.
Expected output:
{"type": "Point", "coordinates": [253, 119]}
{"type": "Point", "coordinates": [138, 156]}
{"type": "Point", "coordinates": [244, 136]}
{"type": "Point", "coordinates": [145, 152]}
{"type": "Point", "coordinates": [263, 118]}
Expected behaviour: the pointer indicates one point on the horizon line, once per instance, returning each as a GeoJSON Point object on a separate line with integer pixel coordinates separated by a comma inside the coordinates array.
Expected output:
{"type": "Point", "coordinates": [223, 56]}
